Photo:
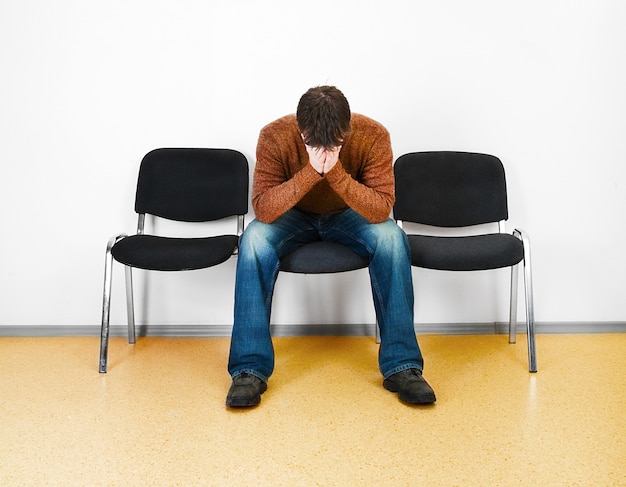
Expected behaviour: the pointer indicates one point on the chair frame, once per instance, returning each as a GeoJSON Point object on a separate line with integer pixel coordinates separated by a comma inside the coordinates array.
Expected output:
{"type": "Point", "coordinates": [187, 185]}
{"type": "Point", "coordinates": [130, 305]}
{"type": "Point", "coordinates": [528, 293]}
{"type": "Point", "coordinates": [462, 190]}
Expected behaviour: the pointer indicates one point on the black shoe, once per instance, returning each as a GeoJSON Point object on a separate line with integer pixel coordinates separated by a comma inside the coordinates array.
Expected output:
{"type": "Point", "coordinates": [410, 386]}
{"type": "Point", "coordinates": [245, 391]}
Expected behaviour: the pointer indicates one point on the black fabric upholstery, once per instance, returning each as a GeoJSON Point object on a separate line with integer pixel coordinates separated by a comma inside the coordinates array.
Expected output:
{"type": "Point", "coordinates": [193, 185]}
{"type": "Point", "coordinates": [174, 254]}
{"type": "Point", "coordinates": [450, 189]}
{"type": "Point", "coordinates": [190, 185]}
{"type": "Point", "coordinates": [322, 258]}
{"type": "Point", "coordinates": [455, 189]}
{"type": "Point", "coordinates": [472, 253]}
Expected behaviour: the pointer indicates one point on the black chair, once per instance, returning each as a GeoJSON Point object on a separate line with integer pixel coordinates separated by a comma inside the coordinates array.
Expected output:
{"type": "Point", "coordinates": [461, 189]}
{"type": "Point", "coordinates": [184, 185]}
{"type": "Point", "coordinates": [324, 258]}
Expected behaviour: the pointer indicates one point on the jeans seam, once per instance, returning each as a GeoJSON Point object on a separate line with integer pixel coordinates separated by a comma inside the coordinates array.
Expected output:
{"type": "Point", "coordinates": [270, 296]}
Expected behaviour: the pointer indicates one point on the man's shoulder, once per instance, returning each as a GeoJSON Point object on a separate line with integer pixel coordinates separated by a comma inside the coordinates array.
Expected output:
{"type": "Point", "coordinates": [287, 123]}
{"type": "Point", "coordinates": [366, 124]}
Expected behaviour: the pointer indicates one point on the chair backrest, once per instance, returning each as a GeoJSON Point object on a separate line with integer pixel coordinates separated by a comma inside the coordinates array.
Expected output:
{"type": "Point", "coordinates": [193, 185]}
{"type": "Point", "coordinates": [450, 189]}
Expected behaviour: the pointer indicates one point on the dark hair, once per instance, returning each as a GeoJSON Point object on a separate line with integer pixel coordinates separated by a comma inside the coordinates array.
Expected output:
{"type": "Point", "coordinates": [323, 117]}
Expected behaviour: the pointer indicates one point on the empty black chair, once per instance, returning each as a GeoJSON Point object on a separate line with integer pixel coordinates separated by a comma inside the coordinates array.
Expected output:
{"type": "Point", "coordinates": [185, 185]}
{"type": "Point", "coordinates": [461, 189]}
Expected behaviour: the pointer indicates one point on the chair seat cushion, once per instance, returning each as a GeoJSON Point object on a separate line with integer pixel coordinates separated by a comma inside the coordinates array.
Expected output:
{"type": "Point", "coordinates": [322, 258]}
{"type": "Point", "coordinates": [157, 253]}
{"type": "Point", "coordinates": [471, 253]}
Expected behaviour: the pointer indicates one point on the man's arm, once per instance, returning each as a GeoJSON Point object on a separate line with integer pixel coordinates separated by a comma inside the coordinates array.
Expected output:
{"type": "Point", "coordinates": [275, 190]}
{"type": "Point", "coordinates": [373, 195]}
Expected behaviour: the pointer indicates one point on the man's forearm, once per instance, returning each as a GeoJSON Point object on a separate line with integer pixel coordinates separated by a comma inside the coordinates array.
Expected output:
{"type": "Point", "coordinates": [373, 203]}
{"type": "Point", "coordinates": [272, 198]}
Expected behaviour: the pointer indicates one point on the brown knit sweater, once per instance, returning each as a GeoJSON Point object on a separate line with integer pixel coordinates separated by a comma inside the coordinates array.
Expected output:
{"type": "Point", "coordinates": [362, 179]}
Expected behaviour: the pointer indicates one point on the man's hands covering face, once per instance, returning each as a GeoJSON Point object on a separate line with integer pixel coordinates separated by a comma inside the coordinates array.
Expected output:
{"type": "Point", "coordinates": [323, 160]}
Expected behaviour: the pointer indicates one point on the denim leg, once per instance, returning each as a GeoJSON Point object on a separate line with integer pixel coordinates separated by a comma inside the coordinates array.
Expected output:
{"type": "Point", "coordinates": [392, 285]}
{"type": "Point", "coordinates": [260, 249]}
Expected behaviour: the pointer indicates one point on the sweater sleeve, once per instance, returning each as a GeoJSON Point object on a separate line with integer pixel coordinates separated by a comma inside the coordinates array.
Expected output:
{"type": "Point", "coordinates": [278, 184]}
{"type": "Point", "coordinates": [373, 194]}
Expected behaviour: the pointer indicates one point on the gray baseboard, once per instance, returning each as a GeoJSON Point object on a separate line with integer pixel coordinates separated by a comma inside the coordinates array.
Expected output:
{"type": "Point", "coordinates": [199, 330]}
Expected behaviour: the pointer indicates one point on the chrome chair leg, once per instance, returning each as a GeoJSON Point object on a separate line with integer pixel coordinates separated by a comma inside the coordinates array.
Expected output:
{"type": "Point", "coordinates": [130, 305]}
{"type": "Point", "coordinates": [106, 304]}
{"type": "Point", "coordinates": [513, 305]}
{"type": "Point", "coordinates": [528, 291]}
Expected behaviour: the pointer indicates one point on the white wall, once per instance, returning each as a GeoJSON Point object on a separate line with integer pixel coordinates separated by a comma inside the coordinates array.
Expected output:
{"type": "Point", "coordinates": [88, 87]}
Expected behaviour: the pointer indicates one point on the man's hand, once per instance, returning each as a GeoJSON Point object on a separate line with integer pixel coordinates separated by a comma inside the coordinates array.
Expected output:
{"type": "Point", "coordinates": [323, 160]}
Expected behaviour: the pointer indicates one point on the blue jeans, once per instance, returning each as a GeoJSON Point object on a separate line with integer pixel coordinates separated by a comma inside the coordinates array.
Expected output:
{"type": "Point", "coordinates": [260, 249]}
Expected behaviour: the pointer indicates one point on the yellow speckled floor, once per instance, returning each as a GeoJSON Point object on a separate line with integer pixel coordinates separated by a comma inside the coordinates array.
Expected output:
{"type": "Point", "coordinates": [158, 417]}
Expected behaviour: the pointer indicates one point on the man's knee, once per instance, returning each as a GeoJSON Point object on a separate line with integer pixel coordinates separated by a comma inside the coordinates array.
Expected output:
{"type": "Point", "coordinates": [256, 238]}
{"type": "Point", "coordinates": [391, 238]}
{"type": "Point", "coordinates": [391, 232]}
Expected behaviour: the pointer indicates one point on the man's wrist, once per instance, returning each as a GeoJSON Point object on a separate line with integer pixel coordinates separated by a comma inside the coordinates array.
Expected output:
{"type": "Point", "coordinates": [315, 171]}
